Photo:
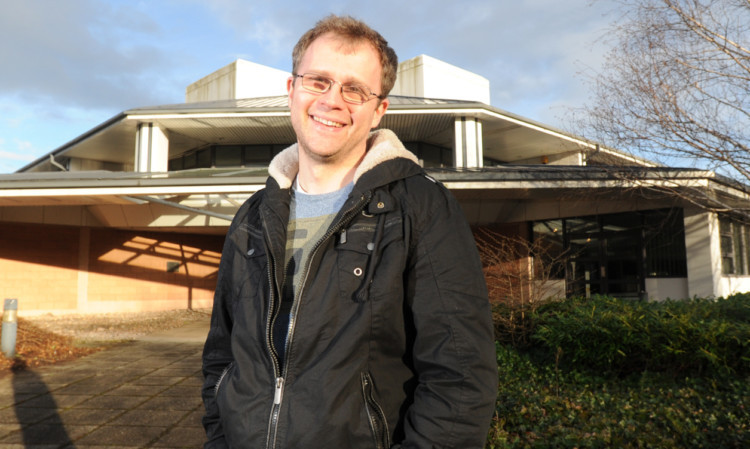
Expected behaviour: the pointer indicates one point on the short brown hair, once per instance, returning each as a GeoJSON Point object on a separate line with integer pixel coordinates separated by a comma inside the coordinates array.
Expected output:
{"type": "Point", "coordinates": [351, 30]}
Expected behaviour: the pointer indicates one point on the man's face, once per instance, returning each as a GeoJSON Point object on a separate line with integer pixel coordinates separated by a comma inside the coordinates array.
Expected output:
{"type": "Point", "coordinates": [330, 130]}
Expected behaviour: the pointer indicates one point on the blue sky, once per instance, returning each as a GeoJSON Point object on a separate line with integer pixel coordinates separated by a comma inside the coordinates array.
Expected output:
{"type": "Point", "coordinates": [69, 65]}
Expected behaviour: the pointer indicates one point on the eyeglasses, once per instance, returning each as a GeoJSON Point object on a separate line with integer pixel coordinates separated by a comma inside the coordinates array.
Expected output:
{"type": "Point", "coordinates": [351, 93]}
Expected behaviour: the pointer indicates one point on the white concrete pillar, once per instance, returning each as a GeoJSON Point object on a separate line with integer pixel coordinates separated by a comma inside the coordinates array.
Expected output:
{"type": "Point", "coordinates": [703, 246]}
{"type": "Point", "coordinates": [480, 144]}
{"type": "Point", "coordinates": [467, 150]}
{"type": "Point", "coordinates": [458, 144]}
{"type": "Point", "coordinates": [151, 149]}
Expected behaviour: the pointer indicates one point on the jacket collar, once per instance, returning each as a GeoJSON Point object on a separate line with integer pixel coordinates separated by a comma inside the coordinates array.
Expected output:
{"type": "Point", "coordinates": [382, 146]}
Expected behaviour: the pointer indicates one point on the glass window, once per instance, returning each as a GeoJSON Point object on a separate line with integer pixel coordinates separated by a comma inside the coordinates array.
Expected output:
{"type": "Point", "coordinates": [228, 156]}
{"type": "Point", "coordinates": [664, 234]}
{"type": "Point", "coordinates": [175, 164]}
{"type": "Point", "coordinates": [727, 246]}
{"type": "Point", "coordinates": [739, 256]}
{"type": "Point", "coordinates": [189, 161]}
{"type": "Point", "coordinates": [618, 250]}
{"type": "Point", "coordinates": [204, 158]}
{"type": "Point", "coordinates": [258, 154]}
{"type": "Point", "coordinates": [734, 238]}
{"type": "Point", "coordinates": [431, 155]}
{"type": "Point", "coordinates": [586, 225]}
{"type": "Point", "coordinates": [548, 249]}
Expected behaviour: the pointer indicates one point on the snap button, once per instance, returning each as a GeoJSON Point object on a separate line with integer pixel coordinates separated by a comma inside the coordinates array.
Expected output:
{"type": "Point", "coordinates": [358, 272]}
{"type": "Point", "coordinates": [370, 246]}
{"type": "Point", "coordinates": [251, 251]}
{"type": "Point", "coordinates": [381, 204]}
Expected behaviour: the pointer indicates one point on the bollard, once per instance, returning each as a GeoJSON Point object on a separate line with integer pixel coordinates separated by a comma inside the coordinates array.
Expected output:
{"type": "Point", "coordinates": [10, 327]}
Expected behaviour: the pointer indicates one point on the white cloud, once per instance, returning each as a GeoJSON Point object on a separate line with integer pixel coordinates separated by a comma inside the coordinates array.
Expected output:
{"type": "Point", "coordinates": [16, 155]}
{"type": "Point", "coordinates": [81, 52]}
{"type": "Point", "coordinates": [25, 146]}
{"type": "Point", "coordinates": [74, 64]}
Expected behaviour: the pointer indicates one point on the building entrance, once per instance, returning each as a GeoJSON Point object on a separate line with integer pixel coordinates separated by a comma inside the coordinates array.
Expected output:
{"type": "Point", "coordinates": [612, 254]}
{"type": "Point", "coordinates": [606, 256]}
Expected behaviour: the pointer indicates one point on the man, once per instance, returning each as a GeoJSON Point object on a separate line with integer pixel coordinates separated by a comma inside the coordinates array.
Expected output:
{"type": "Point", "coordinates": [350, 308]}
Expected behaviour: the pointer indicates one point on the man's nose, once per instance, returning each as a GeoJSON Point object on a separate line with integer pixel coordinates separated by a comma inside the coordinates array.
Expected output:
{"type": "Point", "coordinates": [335, 94]}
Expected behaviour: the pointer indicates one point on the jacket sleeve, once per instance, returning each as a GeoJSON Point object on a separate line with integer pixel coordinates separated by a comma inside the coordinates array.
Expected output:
{"type": "Point", "coordinates": [217, 351]}
{"type": "Point", "coordinates": [454, 351]}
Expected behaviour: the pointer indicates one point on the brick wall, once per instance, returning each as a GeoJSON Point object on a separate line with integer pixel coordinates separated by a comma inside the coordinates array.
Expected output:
{"type": "Point", "coordinates": [39, 266]}
{"type": "Point", "coordinates": [72, 269]}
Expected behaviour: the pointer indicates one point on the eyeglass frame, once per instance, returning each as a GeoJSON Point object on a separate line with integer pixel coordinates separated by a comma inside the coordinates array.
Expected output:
{"type": "Point", "coordinates": [330, 85]}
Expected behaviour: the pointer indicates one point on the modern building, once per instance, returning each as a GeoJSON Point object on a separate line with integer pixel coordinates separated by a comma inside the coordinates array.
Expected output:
{"type": "Point", "coordinates": [132, 214]}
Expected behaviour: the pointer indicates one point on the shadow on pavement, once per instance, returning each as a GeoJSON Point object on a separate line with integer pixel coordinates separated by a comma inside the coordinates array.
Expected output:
{"type": "Point", "coordinates": [33, 404]}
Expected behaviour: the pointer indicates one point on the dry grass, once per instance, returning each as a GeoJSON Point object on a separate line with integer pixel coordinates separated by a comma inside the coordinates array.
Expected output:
{"type": "Point", "coordinates": [49, 339]}
{"type": "Point", "coordinates": [37, 347]}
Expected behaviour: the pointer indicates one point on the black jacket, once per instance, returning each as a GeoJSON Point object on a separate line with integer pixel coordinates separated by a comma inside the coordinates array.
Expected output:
{"type": "Point", "coordinates": [390, 338]}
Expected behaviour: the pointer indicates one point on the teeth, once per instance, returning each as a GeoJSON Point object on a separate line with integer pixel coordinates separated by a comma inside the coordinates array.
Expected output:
{"type": "Point", "coordinates": [327, 122]}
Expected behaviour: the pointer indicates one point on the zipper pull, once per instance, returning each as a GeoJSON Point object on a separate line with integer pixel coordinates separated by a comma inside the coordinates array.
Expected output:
{"type": "Point", "coordinates": [342, 239]}
{"type": "Point", "coordinates": [279, 391]}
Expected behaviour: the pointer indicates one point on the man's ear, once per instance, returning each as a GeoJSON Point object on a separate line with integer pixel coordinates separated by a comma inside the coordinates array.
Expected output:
{"type": "Point", "coordinates": [289, 89]}
{"type": "Point", "coordinates": [379, 112]}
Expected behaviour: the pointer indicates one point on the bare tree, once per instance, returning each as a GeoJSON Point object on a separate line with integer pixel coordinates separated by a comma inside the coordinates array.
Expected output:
{"type": "Point", "coordinates": [676, 85]}
{"type": "Point", "coordinates": [521, 275]}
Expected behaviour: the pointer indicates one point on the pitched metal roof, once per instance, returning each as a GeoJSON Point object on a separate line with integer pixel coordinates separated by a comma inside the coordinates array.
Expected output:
{"type": "Point", "coordinates": [83, 185]}
{"type": "Point", "coordinates": [506, 137]}
{"type": "Point", "coordinates": [279, 102]}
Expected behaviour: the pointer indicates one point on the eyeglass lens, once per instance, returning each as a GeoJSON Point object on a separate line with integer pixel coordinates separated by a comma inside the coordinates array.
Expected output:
{"type": "Point", "coordinates": [319, 84]}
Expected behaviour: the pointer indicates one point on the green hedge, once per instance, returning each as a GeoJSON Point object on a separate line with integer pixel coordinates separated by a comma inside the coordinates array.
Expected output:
{"type": "Point", "coordinates": [539, 406]}
{"type": "Point", "coordinates": [613, 336]}
{"type": "Point", "coordinates": [603, 372]}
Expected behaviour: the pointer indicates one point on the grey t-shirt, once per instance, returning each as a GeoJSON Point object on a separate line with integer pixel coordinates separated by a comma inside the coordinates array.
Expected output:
{"type": "Point", "coordinates": [309, 218]}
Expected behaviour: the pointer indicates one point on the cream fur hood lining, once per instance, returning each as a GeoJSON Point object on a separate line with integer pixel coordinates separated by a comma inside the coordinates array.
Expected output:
{"type": "Point", "coordinates": [382, 145]}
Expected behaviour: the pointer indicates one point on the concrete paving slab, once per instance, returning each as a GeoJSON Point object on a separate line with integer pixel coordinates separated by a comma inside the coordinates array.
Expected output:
{"type": "Point", "coordinates": [181, 437]}
{"type": "Point", "coordinates": [138, 436]}
{"type": "Point", "coordinates": [112, 402]}
{"type": "Point", "coordinates": [171, 403]}
{"type": "Point", "coordinates": [193, 419]}
{"type": "Point", "coordinates": [136, 390]}
{"type": "Point", "coordinates": [154, 379]}
{"type": "Point", "coordinates": [140, 394]}
{"type": "Point", "coordinates": [57, 401]}
{"type": "Point", "coordinates": [149, 418]}
{"type": "Point", "coordinates": [44, 433]}
{"type": "Point", "coordinates": [97, 417]}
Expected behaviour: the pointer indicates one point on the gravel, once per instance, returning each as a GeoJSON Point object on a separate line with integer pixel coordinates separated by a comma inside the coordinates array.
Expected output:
{"type": "Point", "coordinates": [116, 326]}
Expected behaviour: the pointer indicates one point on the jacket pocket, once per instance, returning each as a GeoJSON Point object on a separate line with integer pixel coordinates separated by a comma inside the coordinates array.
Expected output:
{"type": "Point", "coordinates": [222, 378]}
{"type": "Point", "coordinates": [249, 266]}
{"type": "Point", "coordinates": [365, 255]}
{"type": "Point", "coordinates": [375, 415]}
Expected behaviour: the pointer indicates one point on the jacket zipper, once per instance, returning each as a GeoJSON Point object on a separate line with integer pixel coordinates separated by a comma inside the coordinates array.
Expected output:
{"type": "Point", "coordinates": [221, 378]}
{"type": "Point", "coordinates": [279, 382]}
{"type": "Point", "coordinates": [378, 421]}
{"type": "Point", "coordinates": [273, 421]}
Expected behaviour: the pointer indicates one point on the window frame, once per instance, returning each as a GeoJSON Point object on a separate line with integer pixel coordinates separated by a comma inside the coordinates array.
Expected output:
{"type": "Point", "coordinates": [734, 246]}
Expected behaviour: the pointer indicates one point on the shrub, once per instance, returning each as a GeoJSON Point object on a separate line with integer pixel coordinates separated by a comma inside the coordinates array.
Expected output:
{"type": "Point", "coordinates": [540, 406]}
{"type": "Point", "coordinates": [603, 372]}
{"type": "Point", "coordinates": [615, 336]}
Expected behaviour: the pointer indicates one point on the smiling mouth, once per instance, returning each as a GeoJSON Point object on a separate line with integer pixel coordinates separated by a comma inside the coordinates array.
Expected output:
{"type": "Point", "coordinates": [327, 122]}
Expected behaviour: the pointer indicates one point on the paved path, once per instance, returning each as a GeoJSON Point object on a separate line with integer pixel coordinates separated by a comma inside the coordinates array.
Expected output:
{"type": "Point", "coordinates": [142, 394]}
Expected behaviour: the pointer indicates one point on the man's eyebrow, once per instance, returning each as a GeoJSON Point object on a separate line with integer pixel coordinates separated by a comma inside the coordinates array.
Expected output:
{"type": "Point", "coordinates": [348, 82]}
{"type": "Point", "coordinates": [355, 82]}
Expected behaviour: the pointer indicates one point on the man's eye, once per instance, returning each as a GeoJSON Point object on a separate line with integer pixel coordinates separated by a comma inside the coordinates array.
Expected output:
{"type": "Point", "coordinates": [355, 90]}
{"type": "Point", "coordinates": [319, 83]}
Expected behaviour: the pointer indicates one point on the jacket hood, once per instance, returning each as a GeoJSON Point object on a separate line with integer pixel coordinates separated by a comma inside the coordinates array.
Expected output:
{"type": "Point", "coordinates": [382, 146]}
